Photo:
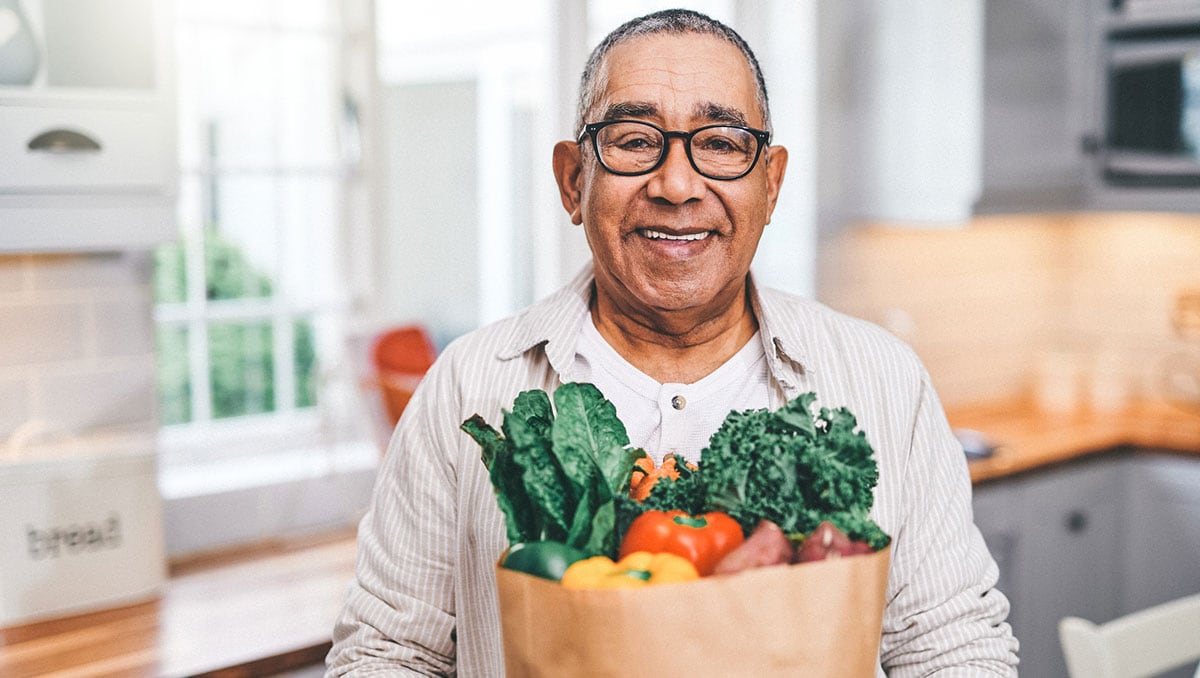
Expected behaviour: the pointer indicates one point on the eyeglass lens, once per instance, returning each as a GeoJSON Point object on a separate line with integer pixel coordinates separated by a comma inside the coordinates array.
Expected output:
{"type": "Point", "coordinates": [632, 147]}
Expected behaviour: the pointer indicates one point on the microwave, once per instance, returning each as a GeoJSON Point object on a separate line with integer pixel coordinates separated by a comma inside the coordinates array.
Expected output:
{"type": "Point", "coordinates": [1152, 108]}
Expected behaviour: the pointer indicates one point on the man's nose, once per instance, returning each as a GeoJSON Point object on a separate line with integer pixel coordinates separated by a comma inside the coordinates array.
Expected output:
{"type": "Point", "coordinates": [676, 181]}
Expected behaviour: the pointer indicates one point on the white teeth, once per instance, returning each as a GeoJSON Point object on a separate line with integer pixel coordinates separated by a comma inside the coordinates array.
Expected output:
{"type": "Point", "coordinates": [659, 235]}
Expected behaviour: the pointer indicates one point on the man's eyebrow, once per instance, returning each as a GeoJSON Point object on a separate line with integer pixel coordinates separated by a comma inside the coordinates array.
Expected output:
{"type": "Point", "coordinates": [629, 109]}
{"type": "Point", "coordinates": [710, 112]}
{"type": "Point", "coordinates": [718, 113]}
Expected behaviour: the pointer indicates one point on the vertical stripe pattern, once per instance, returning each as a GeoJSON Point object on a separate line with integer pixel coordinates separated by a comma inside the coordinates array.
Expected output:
{"type": "Point", "coordinates": [424, 600]}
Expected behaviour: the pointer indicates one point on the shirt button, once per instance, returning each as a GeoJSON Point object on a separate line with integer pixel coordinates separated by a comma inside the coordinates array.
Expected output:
{"type": "Point", "coordinates": [678, 402]}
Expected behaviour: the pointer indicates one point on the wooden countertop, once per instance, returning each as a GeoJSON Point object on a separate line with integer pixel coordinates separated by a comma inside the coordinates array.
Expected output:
{"type": "Point", "coordinates": [1028, 438]}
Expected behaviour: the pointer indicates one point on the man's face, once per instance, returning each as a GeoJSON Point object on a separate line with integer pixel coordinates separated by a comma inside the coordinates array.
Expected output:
{"type": "Point", "coordinates": [672, 239]}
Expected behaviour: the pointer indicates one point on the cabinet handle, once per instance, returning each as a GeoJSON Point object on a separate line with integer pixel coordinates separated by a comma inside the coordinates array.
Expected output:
{"type": "Point", "coordinates": [63, 141]}
{"type": "Point", "coordinates": [1077, 521]}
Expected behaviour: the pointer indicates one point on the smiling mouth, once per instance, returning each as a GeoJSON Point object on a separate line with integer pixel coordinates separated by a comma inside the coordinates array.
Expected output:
{"type": "Point", "coordinates": [680, 237]}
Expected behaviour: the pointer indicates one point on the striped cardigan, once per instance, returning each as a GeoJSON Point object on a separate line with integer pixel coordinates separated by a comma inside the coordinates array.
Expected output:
{"type": "Point", "coordinates": [424, 599]}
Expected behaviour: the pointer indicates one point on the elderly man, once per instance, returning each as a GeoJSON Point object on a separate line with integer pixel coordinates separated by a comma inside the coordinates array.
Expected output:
{"type": "Point", "coordinates": [673, 178]}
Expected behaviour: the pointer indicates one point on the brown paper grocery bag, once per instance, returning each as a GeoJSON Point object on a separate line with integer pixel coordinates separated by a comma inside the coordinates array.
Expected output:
{"type": "Point", "coordinates": [813, 619]}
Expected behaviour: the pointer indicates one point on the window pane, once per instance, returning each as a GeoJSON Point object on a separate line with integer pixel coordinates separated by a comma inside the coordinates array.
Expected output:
{"type": "Point", "coordinates": [174, 379]}
{"type": "Point", "coordinates": [308, 214]}
{"type": "Point", "coordinates": [303, 14]}
{"type": "Point", "coordinates": [605, 16]}
{"type": "Point", "coordinates": [170, 274]}
{"type": "Point", "coordinates": [242, 369]}
{"type": "Point", "coordinates": [224, 11]}
{"type": "Point", "coordinates": [427, 25]}
{"type": "Point", "coordinates": [227, 97]}
{"type": "Point", "coordinates": [242, 244]}
{"type": "Point", "coordinates": [306, 104]}
{"type": "Point", "coordinates": [228, 273]}
{"type": "Point", "coordinates": [305, 353]}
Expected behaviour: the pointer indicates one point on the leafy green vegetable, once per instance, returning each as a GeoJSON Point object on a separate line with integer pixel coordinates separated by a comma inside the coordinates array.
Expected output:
{"type": "Point", "coordinates": [506, 477]}
{"type": "Point", "coordinates": [557, 471]}
{"type": "Point", "coordinates": [794, 469]}
{"type": "Point", "coordinates": [562, 472]}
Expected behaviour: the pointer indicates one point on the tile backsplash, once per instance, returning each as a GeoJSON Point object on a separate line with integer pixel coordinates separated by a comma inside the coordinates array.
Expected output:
{"type": "Point", "coordinates": [992, 307]}
{"type": "Point", "coordinates": [76, 343]}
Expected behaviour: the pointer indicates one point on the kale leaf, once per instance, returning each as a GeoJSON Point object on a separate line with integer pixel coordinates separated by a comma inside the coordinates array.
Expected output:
{"type": "Point", "coordinates": [793, 468]}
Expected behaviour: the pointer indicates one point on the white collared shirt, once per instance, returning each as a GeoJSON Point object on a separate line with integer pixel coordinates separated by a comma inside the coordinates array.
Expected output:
{"type": "Point", "coordinates": [671, 417]}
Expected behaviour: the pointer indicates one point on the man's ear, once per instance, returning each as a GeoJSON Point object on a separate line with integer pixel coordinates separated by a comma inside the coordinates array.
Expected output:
{"type": "Point", "coordinates": [777, 157]}
{"type": "Point", "coordinates": [568, 172]}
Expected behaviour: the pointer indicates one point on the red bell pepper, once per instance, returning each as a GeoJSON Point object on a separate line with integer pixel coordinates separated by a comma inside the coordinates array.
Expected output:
{"type": "Point", "coordinates": [703, 539]}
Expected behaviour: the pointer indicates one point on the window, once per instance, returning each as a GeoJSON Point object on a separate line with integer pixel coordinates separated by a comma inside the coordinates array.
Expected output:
{"type": "Point", "coordinates": [250, 292]}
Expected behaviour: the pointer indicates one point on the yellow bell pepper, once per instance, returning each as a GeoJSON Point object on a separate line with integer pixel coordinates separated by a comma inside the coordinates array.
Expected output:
{"type": "Point", "coordinates": [635, 570]}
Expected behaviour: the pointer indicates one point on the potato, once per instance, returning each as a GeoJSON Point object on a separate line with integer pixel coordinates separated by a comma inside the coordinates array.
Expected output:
{"type": "Point", "coordinates": [766, 545]}
{"type": "Point", "coordinates": [827, 541]}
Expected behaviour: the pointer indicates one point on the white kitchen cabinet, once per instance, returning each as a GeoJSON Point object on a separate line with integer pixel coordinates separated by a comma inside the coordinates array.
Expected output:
{"type": "Point", "coordinates": [899, 110]}
{"type": "Point", "coordinates": [1161, 558]}
{"type": "Point", "coordinates": [88, 140]}
{"type": "Point", "coordinates": [1054, 534]}
{"type": "Point", "coordinates": [1068, 565]}
{"type": "Point", "coordinates": [997, 517]}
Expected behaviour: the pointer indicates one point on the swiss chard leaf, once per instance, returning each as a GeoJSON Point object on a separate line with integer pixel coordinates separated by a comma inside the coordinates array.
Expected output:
{"type": "Point", "coordinates": [557, 470]}
{"type": "Point", "coordinates": [603, 538]}
{"type": "Point", "coordinates": [587, 433]}
{"type": "Point", "coordinates": [533, 407]}
{"type": "Point", "coordinates": [543, 479]}
{"type": "Point", "coordinates": [519, 515]}
{"type": "Point", "coordinates": [587, 438]}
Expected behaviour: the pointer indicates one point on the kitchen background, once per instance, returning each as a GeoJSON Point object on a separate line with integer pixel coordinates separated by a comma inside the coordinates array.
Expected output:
{"type": "Point", "coordinates": [333, 169]}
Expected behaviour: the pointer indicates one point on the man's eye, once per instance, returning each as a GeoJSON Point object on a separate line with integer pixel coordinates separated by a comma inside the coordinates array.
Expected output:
{"type": "Point", "coordinates": [636, 142]}
{"type": "Point", "coordinates": [722, 144]}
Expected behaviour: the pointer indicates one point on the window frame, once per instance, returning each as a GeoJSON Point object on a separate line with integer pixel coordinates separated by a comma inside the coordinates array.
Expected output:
{"type": "Point", "coordinates": [203, 437]}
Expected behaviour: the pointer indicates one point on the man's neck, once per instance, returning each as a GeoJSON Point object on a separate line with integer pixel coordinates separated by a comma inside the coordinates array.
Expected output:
{"type": "Point", "coordinates": [679, 347]}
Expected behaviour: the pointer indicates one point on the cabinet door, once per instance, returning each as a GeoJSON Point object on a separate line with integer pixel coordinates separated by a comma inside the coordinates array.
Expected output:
{"type": "Point", "coordinates": [87, 141]}
{"type": "Point", "coordinates": [1162, 535]}
{"type": "Point", "coordinates": [899, 118]}
{"type": "Point", "coordinates": [995, 505]}
{"type": "Point", "coordinates": [1037, 92]}
{"type": "Point", "coordinates": [1069, 562]}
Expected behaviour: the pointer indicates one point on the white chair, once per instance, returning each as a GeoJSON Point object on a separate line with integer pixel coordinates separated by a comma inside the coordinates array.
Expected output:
{"type": "Point", "coordinates": [1142, 643]}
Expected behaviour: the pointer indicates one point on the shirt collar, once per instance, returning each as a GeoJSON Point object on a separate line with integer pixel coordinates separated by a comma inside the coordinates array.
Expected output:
{"type": "Point", "coordinates": [554, 323]}
{"type": "Point", "coordinates": [781, 339]}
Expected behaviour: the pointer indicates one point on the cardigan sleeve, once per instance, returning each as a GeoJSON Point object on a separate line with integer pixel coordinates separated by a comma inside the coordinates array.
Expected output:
{"type": "Point", "coordinates": [946, 618]}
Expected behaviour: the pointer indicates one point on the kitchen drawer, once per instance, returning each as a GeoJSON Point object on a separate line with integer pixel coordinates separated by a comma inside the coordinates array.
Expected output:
{"type": "Point", "coordinates": [132, 153]}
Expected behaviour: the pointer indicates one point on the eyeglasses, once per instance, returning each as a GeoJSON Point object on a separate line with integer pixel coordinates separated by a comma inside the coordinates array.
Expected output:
{"type": "Point", "coordinates": [633, 147]}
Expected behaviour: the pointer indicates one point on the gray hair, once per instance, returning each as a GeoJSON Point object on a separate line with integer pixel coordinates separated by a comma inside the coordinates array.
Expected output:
{"type": "Point", "coordinates": [669, 21]}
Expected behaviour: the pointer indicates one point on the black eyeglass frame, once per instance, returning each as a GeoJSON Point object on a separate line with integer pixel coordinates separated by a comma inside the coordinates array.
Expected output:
{"type": "Point", "coordinates": [592, 128]}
